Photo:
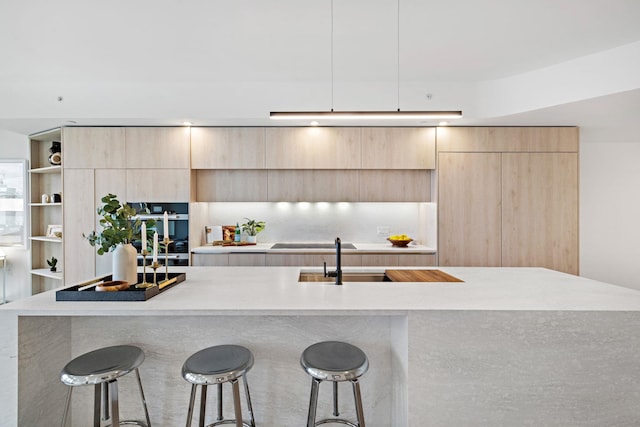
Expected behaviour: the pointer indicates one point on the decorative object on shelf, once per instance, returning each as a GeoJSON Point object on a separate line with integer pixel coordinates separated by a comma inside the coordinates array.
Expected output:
{"type": "Point", "coordinates": [55, 155]}
{"type": "Point", "coordinates": [400, 240]}
{"type": "Point", "coordinates": [52, 264]}
{"type": "Point", "coordinates": [56, 198]}
{"type": "Point", "coordinates": [44, 198]}
{"type": "Point", "coordinates": [118, 231]}
{"type": "Point", "coordinates": [54, 231]}
{"type": "Point", "coordinates": [228, 232]}
{"type": "Point", "coordinates": [252, 228]}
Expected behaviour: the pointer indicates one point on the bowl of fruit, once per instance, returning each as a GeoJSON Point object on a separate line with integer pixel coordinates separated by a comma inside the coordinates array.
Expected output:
{"type": "Point", "coordinates": [400, 240]}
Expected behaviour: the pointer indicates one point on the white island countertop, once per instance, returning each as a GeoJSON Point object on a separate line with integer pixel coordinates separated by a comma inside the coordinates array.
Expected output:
{"type": "Point", "coordinates": [558, 349]}
{"type": "Point", "coordinates": [276, 290]}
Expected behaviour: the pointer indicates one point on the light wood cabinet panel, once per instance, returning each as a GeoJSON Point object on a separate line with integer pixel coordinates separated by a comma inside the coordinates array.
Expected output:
{"type": "Point", "coordinates": [313, 186]}
{"type": "Point", "coordinates": [395, 186]}
{"type": "Point", "coordinates": [286, 260]}
{"type": "Point", "coordinates": [379, 260]}
{"type": "Point", "coordinates": [158, 185]}
{"type": "Point", "coordinates": [318, 260]}
{"type": "Point", "coordinates": [507, 139]}
{"type": "Point", "coordinates": [228, 148]}
{"type": "Point", "coordinates": [93, 147]}
{"type": "Point", "coordinates": [231, 186]}
{"type": "Point", "coordinates": [249, 260]}
{"type": "Point", "coordinates": [79, 219]}
{"type": "Point", "coordinates": [313, 148]}
{"type": "Point", "coordinates": [398, 148]}
{"type": "Point", "coordinates": [210, 260]}
{"type": "Point", "coordinates": [418, 260]}
{"type": "Point", "coordinates": [469, 209]}
{"type": "Point", "coordinates": [540, 211]}
{"type": "Point", "coordinates": [156, 147]}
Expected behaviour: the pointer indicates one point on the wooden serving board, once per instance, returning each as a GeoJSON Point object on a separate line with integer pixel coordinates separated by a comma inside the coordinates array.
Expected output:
{"type": "Point", "coordinates": [237, 244]}
{"type": "Point", "coordinates": [420, 276]}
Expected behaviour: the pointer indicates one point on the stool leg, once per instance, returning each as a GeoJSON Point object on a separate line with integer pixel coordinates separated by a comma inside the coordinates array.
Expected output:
{"type": "Point", "coordinates": [192, 400]}
{"type": "Point", "coordinates": [220, 416]}
{"type": "Point", "coordinates": [144, 401]}
{"type": "Point", "coordinates": [203, 404]}
{"type": "Point", "coordinates": [358, 399]}
{"type": "Point", "coordinates": [115, 413]}
{"type": "Point", "coordinates": [236, 402]}
{"type": "Point", "coordinates": [66, 408]}
{"type": "Point", "coordinates": [100, 406]}
{"type": "Point", "coordinates": [313, 402]}
{"type": "Point", "coordinates": [249, 407]}
{"type": "Point", "coordinates": [335, 399]}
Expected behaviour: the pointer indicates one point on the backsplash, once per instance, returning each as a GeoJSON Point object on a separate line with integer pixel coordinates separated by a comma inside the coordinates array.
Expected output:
{"type": "Point", "coordinates": [322, 221]}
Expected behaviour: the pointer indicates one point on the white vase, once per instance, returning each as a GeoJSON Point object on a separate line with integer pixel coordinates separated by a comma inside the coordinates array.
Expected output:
{"type": "Point", "coordinates": [251, 239]}
{"type": "Point", "coordinates": [125, 263]}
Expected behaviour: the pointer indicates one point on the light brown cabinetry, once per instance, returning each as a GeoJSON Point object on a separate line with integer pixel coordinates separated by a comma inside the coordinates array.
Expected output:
{"type": "Point", "coordinates": [395, 185]}
{"type": "Point", "coordinates": [157, 147]}
{"type": "Point", "coordinates": [46, 179]}
{"type": "Point", "coordinates": [313, 148]}
{"type": "Point", "coordinates": [94, 147]}
{"type": "Point", "coordinates": [469, 209]}
{"type": "Point", "coordinates": [510, 209]}
{"type": "Point", "coordinates": [398, 148]}
{"type": "Point", "coordinates": [158, 185]}
{"type": "Point", "coordinates": [313, 186]}
{"type": "Point", "coordinates": [227, 148]}
{"type": "Point", "coordinates": [231, 185]}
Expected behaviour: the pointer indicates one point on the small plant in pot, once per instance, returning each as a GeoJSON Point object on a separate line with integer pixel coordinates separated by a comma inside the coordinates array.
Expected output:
{"type": "Point", "coordinates": [119, 230]}
{"type": "Point", "coordinates": [52, 264]}
{"type": "Point", "coordinates": [252, 228]}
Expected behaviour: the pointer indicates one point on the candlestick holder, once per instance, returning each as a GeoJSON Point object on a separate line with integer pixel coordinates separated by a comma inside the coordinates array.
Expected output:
{"type": "Point", "coordinates": [166, 242]}
{"type": "Point", "coordinates": [155, 266]}
{"type": "Point", "coordinates": [144, 283]}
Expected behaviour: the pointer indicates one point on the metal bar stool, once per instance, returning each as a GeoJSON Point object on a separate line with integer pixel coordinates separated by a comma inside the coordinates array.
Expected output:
{"type": "Point", "coordinates": [102, 368]}
{"type": "Point", "coordinates": [334, 361]}
{"type": "Point", "coordinates": [217, 365]}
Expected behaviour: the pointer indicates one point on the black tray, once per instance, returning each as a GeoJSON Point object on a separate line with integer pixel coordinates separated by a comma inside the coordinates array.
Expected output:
{"type": "Point", "coordinates": [132, 294]}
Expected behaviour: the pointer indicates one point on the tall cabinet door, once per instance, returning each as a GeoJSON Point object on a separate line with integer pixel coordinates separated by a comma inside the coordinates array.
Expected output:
{"type": "Point", "coordinates": [540, 210]}
{"type": "Point", "coordinates": [469, 209]}
{"type": "Point", "coordinates": [78, 219]}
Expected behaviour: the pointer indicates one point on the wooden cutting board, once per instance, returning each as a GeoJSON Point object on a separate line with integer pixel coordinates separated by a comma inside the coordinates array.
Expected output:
{"type": "Point", "coordinates": [420, 276]}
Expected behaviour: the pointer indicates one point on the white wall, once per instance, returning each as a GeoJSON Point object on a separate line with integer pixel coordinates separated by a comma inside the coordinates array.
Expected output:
{"type": "Point", "coordinates": [15, 146]}
{"type": "Point", "coordinates": [610, 210]}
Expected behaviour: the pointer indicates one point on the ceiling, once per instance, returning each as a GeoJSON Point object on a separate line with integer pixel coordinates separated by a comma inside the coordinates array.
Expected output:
{"type": "Point", "coordinates": [213, 62]}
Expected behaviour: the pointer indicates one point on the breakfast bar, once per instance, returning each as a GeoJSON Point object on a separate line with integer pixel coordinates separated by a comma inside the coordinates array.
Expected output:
{"type": "Point", "coordinates": [502, 346]}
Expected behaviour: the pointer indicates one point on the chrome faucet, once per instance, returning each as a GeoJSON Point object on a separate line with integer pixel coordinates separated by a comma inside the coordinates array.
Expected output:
{"type": "Point", "coordinates": [338, 271]}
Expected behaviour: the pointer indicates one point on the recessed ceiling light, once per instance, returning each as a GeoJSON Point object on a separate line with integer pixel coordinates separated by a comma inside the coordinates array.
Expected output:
{"type": "Point", "coordinates": [314, 123]}
{"type": "Point", "coordinates": [443, 124]}
{"type": "Point", "coordinates": [187, 123]}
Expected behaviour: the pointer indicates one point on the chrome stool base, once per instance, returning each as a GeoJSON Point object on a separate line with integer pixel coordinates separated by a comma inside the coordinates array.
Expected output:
{"type": "Point", "coordinates": [102, 368]}
{"type": "Point", "coordinates": [215, 366]}
{"type": "Point", "coordinates": [334, 361]}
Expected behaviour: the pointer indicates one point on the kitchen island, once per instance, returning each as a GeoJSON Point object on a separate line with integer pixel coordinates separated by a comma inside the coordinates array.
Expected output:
{"type": "Point", "coordinates": [507, 346]}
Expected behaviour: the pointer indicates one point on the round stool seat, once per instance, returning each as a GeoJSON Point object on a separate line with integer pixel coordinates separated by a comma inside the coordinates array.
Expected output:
{"type": "Point", "coordinates": [217, 364]}
{"type": "Point", "coordinates": [334, 361]}
{"type": "Point", "coordinates": [102, 365]}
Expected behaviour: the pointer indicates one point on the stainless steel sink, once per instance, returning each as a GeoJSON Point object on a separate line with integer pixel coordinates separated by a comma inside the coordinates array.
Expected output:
{"type": "Point", "coordinates": [346, 277]}
{"type": "Point", "coordinates": [304, 245]}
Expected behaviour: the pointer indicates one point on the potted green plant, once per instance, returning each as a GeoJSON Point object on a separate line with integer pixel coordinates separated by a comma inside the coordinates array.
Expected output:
{"type": "Point", "coordinates": [119, 230]}
{"type": "Point", "coordinates": [252, 228]}
{"type": "Point", "coordinates": [52, 264]}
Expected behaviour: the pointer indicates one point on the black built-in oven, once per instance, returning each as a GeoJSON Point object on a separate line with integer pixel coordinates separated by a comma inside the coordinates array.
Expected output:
{"type": "Point", "coordinates": [178, 214]}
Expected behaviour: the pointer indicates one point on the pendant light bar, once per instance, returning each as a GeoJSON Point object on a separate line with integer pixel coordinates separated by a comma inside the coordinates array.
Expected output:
{"type": "Point", "coordinates": [364, 115]}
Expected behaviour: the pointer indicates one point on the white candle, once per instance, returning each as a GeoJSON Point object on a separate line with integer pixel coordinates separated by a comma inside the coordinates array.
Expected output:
{"type": "Point", "coordinates": [166, 225]}
{"type": "Point", "coordinates": [143, 236]}
{"type": "Point", "coordinates": [155, 247]}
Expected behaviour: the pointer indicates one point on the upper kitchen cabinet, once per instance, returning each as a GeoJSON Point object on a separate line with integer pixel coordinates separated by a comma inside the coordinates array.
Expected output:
{"type": "Point", "coordinates": [157, 147]}
{"type": "Point", "coordinates": [227, 148]}
{"type": "Point", "coordinates": [158, 185]}
{"type": "Point", "coordinates": [398, 148]}
{"type": "Point", "coordinates": [313, 148]}
{"type": "Point", "coordinates": [93, 147]}
{"type": "Point", "coordinates": [508, 139]}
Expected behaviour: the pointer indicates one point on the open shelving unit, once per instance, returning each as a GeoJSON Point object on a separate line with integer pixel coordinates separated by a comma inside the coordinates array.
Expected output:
{"type": "Point", "coordinates": [44, 179]}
